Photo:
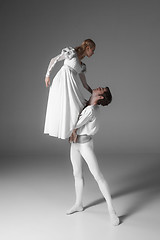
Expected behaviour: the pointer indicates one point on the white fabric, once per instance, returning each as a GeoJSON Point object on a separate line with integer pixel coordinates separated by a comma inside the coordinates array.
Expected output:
{"type": "Point", "coordinates": [88, 122]}
{"type": "Point", "coordinates": [71, 59]}
{"type": "Point", "coordinates": [65, 100]}
{"type": "Point", "coordinates": [78, 152]}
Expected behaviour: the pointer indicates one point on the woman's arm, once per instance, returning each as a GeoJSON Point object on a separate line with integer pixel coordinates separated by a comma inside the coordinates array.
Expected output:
{"type": "Point", "coordinates": [50, 67]}
{"type": "Point", "coordinates": [52, 63]}
{"type": "Point", "coordinates": [84, 82]}
{"type": "Point", "coordinates": [68, 52]}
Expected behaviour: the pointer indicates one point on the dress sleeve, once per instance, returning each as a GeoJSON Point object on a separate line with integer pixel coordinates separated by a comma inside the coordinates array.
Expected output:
{"type": "Point", "coordinates": [68, 52]}
{"type": "Point", "coordinates": [85, 116]}
{"type": "Point", "coordinates": [52, 63]}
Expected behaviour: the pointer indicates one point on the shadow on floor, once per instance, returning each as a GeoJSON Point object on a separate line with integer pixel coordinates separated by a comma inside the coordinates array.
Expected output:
{"type": "Point", "coordinates": [144, 181]}
{"type": "Point", "coordinates": [96, 202]}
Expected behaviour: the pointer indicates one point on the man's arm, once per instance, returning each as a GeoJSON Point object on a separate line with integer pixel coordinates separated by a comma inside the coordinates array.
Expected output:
{"type": "Point", "coordinates": [85, 116]}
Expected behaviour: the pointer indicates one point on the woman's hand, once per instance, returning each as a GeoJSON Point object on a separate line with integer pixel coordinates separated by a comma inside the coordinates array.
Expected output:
{"type": "Point", "coordinates": [47, 81]}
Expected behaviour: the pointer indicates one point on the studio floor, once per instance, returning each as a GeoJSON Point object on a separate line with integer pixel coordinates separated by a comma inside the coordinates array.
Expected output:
{"type": "Point", "coordinates": [36, 192]}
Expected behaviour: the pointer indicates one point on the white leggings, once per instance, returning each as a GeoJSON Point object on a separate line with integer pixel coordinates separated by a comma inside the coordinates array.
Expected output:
{"type": "Point", "coordinates": [85, 150]}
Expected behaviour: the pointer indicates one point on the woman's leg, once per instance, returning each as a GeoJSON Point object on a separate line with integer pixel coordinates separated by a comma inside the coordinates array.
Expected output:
{"type": "Point", "coordinates": [76, 161]}
{"type": "Point", "coordinates": [88, 154]}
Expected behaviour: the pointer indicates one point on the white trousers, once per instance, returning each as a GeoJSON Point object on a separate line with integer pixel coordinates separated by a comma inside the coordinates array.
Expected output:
{"type": "Point", "coordinates": [78, 152]}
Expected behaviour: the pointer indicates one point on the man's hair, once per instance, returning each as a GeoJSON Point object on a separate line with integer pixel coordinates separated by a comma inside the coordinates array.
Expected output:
{"type": "Point", "coordinates": [107, 98]}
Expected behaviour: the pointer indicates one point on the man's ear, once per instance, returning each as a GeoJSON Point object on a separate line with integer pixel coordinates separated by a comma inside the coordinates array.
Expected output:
{"type": "Point", "coordinates": [100, 97]}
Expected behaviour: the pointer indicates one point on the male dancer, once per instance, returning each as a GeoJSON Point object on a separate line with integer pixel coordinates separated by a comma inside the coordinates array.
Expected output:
{"type": "Point", "coordinates": [82, 147]}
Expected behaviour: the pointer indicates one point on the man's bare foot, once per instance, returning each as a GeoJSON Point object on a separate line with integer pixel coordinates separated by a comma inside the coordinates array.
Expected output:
{"type": "Point", "coordinates": [114, 218]}
{"type": "Point", "coordinates": [75, 208]}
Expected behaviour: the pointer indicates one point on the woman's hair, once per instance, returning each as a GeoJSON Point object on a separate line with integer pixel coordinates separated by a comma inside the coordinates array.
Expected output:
{"type": "Point", "coordinates": [107, 98]}
{"type": "Point", "coordinates": [81, 49]}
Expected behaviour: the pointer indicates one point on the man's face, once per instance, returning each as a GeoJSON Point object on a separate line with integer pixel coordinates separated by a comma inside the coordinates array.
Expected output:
{"type": "Point", "coordinates": [99, 91]}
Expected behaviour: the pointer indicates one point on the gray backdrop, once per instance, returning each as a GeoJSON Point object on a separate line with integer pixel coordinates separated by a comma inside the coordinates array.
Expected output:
{"type": "Point", "coordinates": [127, 59]}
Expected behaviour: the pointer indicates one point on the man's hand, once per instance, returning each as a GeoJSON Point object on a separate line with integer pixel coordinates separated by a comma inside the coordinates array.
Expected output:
{"type": "Point", "coordinates": [73, 137]}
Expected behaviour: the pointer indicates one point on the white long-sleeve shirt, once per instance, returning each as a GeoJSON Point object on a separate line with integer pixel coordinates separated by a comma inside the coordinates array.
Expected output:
{"type": "Point", "coordinates": [88, 122]}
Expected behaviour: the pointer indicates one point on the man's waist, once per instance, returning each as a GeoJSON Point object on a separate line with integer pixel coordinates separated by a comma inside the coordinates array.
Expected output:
{"type": "Point", "coordinates": [83, 138]}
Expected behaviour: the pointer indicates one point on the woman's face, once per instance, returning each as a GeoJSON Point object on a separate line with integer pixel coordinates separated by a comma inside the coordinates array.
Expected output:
{"type": "Point", "coordinates": [89, 51]}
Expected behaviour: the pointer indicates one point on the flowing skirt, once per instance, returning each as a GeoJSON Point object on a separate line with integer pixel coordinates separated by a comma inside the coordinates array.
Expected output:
{"type": "Point", "coordinates": [65, 102]}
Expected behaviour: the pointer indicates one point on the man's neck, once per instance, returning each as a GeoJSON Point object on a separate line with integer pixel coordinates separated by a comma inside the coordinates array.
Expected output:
{"type": "Point", "coordinates": [92, 101]}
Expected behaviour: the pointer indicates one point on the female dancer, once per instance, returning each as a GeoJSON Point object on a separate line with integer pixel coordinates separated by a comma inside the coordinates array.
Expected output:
{"type": "Point", "coordinates": [82, 147]}
{"type": "Point", "coordinates": [65, 100]}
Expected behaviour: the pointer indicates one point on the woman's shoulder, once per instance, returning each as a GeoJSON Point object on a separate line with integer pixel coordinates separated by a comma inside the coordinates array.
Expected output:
{"type": "Point", "coordinates": [69, 52]}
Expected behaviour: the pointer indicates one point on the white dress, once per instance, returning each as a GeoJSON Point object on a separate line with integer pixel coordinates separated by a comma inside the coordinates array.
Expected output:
{"type": "Point", "coordinates": [65, 101]}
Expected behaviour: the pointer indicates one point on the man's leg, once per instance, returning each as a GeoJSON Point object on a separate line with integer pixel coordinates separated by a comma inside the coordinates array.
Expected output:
{"type": "Point", "coordinates": [76, 161]}
{"type": "Point", "coordinates": [88, 154]}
